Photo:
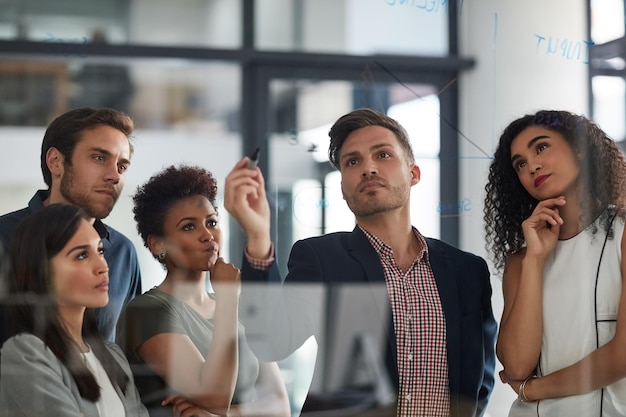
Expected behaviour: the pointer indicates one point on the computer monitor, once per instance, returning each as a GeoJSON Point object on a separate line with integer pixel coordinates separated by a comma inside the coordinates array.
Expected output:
{"type": "Point", "coordinates": [352, 325]}
{"type": "Point", "coordinates": [356, 338]}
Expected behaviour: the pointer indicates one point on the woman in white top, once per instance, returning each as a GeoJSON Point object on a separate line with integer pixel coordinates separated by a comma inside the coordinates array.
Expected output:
{"type": "Point", "coordinates": [56, 363]}
{"type": "Point", "coordinates": [554, 220]}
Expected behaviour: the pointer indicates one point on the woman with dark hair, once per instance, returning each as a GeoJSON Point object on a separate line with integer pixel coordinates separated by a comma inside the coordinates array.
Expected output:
{"type": "Point", "coordinates": [554, 215]}
{"type": "Point", "coordinates": [55, 362]}
{"type": "Point", "coordinates": [186, 343]}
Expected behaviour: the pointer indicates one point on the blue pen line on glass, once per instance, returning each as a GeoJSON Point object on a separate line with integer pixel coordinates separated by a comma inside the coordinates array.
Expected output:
{"type": "Point", "coordinates": [456, 129]}
{"type": "Point", "coordinates": [555, 121]}
{"type": "Point", "coordinates": [52, 44]}
{"type": "Point", "coordinates": [457, 208]}
{"type": "Point", "coordinates": [495, 30]}
{"type": "Point", "coordinates": [494, 69]}
{"type": "Point", "coordinates": [430, 6]}
{"type": "Point", "coordinates": [310, 202]}
{"type": "Point", "coordinates": [567, 48]}
{"type": "Point", "coordinates": [369, 91]}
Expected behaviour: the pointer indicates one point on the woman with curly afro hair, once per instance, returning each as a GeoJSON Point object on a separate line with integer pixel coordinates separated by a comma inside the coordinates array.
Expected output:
{"type": "Point", "coordinates": [186, 343]}
{"type": "Point", "coordinates": [554, 219]}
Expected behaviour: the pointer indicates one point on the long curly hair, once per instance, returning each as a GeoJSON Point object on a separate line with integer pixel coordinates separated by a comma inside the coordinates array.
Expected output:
{"type": "Point", "coordinates": [153, 199]}
{"type": "Point", "coordinates": [508, 204]}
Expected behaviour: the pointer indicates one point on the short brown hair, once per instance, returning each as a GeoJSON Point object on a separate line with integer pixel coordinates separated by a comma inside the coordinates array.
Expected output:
{"type": "Point", "coordinates": [66, 130]}
{"type": "Point", "coordinates": [357, 119]}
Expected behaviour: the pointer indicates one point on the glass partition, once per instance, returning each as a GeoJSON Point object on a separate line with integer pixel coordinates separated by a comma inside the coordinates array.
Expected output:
{"type": "Point", "coordinates": [609, 105]}
{"type": "Point", "coordinates": [199, 23]}
{"type": "Point", "coordinates": [607, 20]}
{"type": "Point", "coordinates": [193, 109]}
{"type": "Point", "coordinates": [202, 97]}
{"type": "Point", "coordinates": [354, 27]}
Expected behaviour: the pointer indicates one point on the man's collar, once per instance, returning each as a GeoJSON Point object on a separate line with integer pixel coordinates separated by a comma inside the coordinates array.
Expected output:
{"type": "Point", "coordinates": [36, 204]}
{"type": "Point", "coordinates": [378, 244]}
{"type": "Point", "coordinates": [101, 229]}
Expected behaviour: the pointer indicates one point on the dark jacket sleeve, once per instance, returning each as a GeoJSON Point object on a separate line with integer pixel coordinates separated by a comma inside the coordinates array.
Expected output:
{"type": "Point", "coordinates": [489, 341]}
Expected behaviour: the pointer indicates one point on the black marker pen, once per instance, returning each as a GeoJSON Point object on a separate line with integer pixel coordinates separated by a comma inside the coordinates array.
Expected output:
{"type": "Point", "coordinates": [254, 159]}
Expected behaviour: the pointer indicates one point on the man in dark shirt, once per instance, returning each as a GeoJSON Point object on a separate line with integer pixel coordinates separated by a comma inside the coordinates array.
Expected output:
{"type": "Point", "coordinates": [84, 157]}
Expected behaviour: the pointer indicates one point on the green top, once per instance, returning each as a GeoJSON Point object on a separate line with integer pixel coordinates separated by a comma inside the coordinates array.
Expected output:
{"type": "Point", "coordinates": [157, 312]}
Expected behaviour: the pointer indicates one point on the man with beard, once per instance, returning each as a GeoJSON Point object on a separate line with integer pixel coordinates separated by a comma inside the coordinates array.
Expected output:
{"type": "Point", "coordinates": [84, 157]}
{"type": "Point", "coordinates": [440, 350]}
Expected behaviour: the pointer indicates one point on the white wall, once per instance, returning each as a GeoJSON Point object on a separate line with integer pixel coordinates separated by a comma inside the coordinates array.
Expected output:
{"type": "Point", "coordinates": [512, 77]}
{"type": "Point", "coordinates": [185, 23]}
{"type": "Point", "coordinates": [397, 27]}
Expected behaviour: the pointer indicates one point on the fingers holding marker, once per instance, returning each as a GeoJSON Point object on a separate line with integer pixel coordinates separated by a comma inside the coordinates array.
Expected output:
{"type": "Point", "coordinates": [253, 161]}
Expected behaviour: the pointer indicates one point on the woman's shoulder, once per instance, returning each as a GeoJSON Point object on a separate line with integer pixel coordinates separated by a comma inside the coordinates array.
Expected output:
{"type": "Point", "coordinates": [23, 341]}
{"type": "Point", "coordinates": [153, 309]}
{"type": "Point", "coordinates": [26, 347]}
{"type": "Point", "coordinates": [153, 298]}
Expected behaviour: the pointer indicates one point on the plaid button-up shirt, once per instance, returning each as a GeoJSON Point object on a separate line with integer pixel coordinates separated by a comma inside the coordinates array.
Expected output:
{"type": "Point", "coordinates": [420, 333]}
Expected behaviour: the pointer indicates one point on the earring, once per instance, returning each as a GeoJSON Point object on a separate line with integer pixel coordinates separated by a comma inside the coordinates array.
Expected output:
{"type": "Point", "coordinates": [161, 256]}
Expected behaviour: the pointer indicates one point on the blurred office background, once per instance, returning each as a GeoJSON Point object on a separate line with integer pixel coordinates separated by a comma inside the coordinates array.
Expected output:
{"type": "Point", "coordinates": [208, 81]}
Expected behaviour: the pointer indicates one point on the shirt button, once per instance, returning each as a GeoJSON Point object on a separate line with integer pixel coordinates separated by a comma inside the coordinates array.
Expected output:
{"type": "Point", "coordinates": [408, 397]}
{"type": "Point", "coordinates": [410, 356]}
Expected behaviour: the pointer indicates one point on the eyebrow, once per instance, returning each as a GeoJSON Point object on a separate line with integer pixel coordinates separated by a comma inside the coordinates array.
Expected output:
{"type": "Point", "coordinates": [372, 148]}
{"type": "Point", "coordinates": [108, 153]}
{"type": "Point", "coordinates": [186, 219]}
{"type": "Point", "coordinates": [193, 219]}
{"type": "Point", "coordinates": [77, 248]}
{"type": "Point", "coordinates": [528, 146]}
{"type": "Point", "coordinates": [81, 248]}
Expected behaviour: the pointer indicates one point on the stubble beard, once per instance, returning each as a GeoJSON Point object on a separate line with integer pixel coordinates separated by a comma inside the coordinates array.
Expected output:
{"type": "Point", "coordinates": [369, 204]}
{"type": "Point", "coordinates": [80, 199]}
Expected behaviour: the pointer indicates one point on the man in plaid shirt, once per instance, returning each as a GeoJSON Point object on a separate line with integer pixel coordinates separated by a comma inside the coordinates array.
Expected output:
{"type": "Point", "coordinates": [441, 348]}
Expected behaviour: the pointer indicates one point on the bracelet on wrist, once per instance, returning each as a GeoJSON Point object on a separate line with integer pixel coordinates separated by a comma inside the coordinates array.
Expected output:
{"type": "Point", "coordinates": [521, 391]}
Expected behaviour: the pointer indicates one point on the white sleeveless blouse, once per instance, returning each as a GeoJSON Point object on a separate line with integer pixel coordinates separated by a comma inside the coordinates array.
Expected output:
{"type": "Point", "coordinates": [580, 303]}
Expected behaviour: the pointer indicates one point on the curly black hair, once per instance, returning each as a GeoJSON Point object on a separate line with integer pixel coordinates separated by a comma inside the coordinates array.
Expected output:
{"type": "Point", "coordinates": [154, 199]}
{"type": "Point", "coordinates": [508, 204]}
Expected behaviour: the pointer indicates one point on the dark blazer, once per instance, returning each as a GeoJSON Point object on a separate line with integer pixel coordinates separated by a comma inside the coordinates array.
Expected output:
{"type": "Point", "coordinates": [464, 289]}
